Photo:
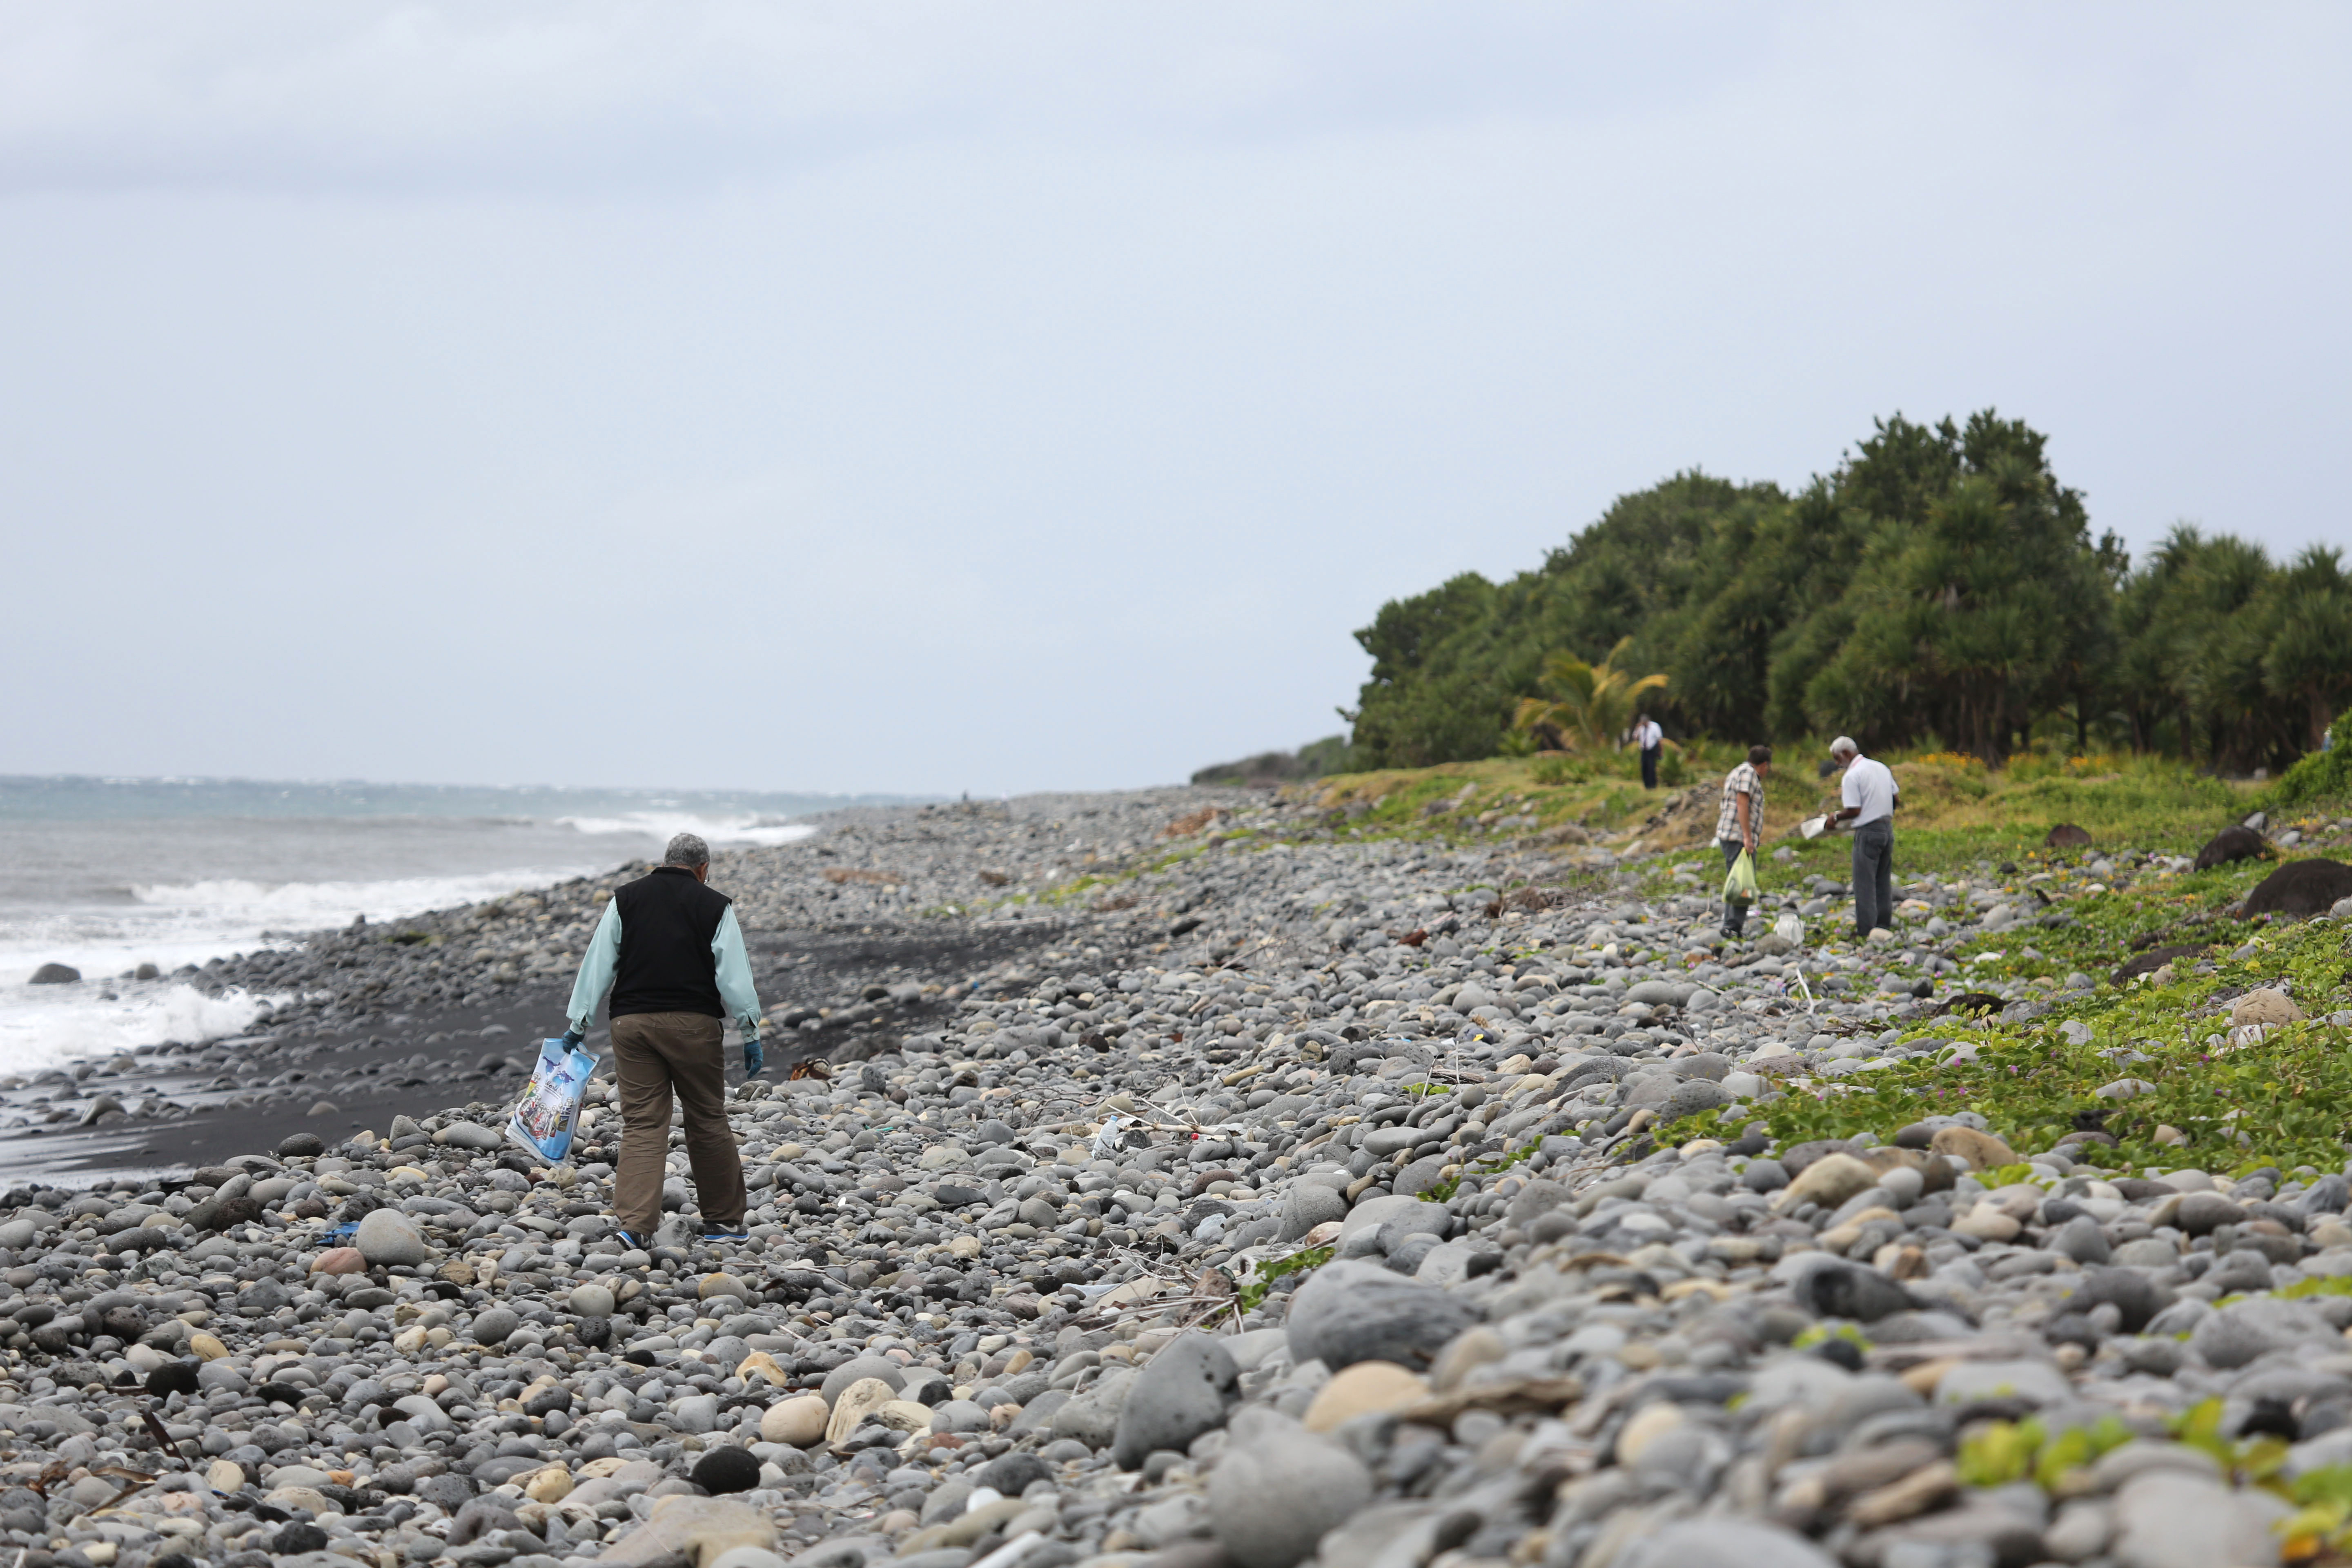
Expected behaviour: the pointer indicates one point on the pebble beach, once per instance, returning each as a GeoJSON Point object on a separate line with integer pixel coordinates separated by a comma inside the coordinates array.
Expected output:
{"type": "Point", "coordinates": [1170, 1178]}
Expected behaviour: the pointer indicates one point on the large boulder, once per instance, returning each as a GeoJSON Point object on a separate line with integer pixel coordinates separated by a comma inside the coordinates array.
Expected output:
{"type": "Point", "coordinates": [2300, 888]}
{"type": "Point", "coordinates": [55, 974]}
{"type": "Point", "coordinates": [1351, 1312]}
{"type": "Point", "coordinates": [1183, 1391]}
{"type": "Point", "coordinates": [1279, 1487]}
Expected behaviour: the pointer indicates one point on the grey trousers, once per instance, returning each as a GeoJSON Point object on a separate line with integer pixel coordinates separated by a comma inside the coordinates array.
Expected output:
{"type": "Point", "coordinates": [1874, 877]}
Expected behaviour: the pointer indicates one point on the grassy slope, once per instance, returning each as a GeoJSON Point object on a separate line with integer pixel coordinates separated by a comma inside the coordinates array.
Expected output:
{"type": "Point", "coordinates": [2285, 1099]}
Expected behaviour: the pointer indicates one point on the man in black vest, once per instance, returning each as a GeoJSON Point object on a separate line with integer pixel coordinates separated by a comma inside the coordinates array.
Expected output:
{"type": "Point", "coordinates": [672, 952]}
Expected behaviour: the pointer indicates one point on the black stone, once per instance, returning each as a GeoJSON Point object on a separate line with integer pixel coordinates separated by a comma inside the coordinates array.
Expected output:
{"type": "Point", "coordinates": [2300, 888]}
{"type": "Point", "coordinates": [174, 1378]}
{"type": "Point", "coordinates": [301, 1145]}
{"type": "Point", "coordinates": [2270, 1418]}
{"type": "Point", "coordinates": [1847, 1290]}
{"type": "Point", "coordinates": [1013, 1474]}
{"type": "Point", "coordinates": [298, 1538]}
{"type": "Point", "coordinates": [2231, 844]}
{"type": "Point", "coordinates": [1841, 1352]}
{"type": "Point", "coordinates": [726, 1470]}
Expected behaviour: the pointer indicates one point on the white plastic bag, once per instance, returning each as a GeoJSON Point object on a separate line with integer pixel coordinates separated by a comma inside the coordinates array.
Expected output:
{"type": "Point", "coordinates": [1790, 929]}
{"type": "Point", "coordinates": [549, 1114]}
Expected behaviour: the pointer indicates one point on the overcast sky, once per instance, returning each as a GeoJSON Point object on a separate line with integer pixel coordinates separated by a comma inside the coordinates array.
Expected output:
{"type": "Point", "coordinates": [932, 397]}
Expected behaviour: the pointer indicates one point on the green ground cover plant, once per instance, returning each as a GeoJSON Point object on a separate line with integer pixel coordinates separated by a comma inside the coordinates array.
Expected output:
{"type": "Point", "coordinates": [2207, 1095]}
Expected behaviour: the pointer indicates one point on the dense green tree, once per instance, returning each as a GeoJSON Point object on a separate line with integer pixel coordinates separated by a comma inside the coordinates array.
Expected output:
{"type": "Point", "coordinates": [1939, 584]}
{"type": "Point", "coordinates": [1976, 617]}
{"type": "Point", "coordinates": [2308, 658]}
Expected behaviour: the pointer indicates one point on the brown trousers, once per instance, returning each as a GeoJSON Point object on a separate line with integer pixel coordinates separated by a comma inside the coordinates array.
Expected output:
{"type": "Point", "coordinates": [654, 1054]}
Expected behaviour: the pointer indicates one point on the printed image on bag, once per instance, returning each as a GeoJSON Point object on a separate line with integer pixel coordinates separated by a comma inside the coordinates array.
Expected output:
{"type": "Point", "coordinates": [548, 1113]}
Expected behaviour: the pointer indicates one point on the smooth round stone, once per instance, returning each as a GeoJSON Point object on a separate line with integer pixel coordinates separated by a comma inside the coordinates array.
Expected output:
{"type": "Point", "coordinates": [798, 1421]}
{"type": "Point", "coordinates": [495, 1326]}
{"type": "Point", "coordinates": [1279, 1488]}
{"type": "Point", "coordinates": [389, 1236]}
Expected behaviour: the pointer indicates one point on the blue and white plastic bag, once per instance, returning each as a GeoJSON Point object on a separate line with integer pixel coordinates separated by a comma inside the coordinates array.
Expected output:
{"type": "Point", "coordinates": [544, 1122]}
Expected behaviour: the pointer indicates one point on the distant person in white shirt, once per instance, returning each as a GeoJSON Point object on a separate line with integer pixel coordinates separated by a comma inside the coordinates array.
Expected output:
{"type": "Point", "coordinates": [1651, 739]}
{"type": "Point", "coordinates": [1868, 791]}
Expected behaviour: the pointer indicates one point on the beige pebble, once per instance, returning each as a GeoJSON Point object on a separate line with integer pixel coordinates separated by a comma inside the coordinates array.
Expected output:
{"type": "Point", "coordinates": [1366, 1388]}
{"type": "Point", "coordinates": [553, 1484]}
{"type": "Point", "coordinates": [1986, 1221]}
{"type": "Point", "coordinates": [1982, 1151]}
{"type": "Point", "coordinates": [1649, 1423]}
{"type": "Point", "coordinates": [798, 1421]}
{"type": "Point", "coordinates": [1828, 1181]}
{"type": "Point", "coordinates": [204, 1347]}
{"type": "Point", "coordinates": [2264, 1007]}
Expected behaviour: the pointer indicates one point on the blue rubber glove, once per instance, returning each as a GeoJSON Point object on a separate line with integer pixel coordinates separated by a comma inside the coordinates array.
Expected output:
{"type": "Point", "coordinates": [753, 1057]}
{"type": "Point", "coordinates": [573, 1039]}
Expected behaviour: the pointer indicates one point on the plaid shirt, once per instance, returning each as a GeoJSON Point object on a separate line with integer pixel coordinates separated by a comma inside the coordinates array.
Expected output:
{"type": "Point", "coordinates": [1741, 780]}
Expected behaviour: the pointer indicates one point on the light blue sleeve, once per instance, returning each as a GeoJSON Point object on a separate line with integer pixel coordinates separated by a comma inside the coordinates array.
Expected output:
{"type": "Point", "coordinates": [735, 988]}
{"type": "Point", "coordinates": [596, 968]}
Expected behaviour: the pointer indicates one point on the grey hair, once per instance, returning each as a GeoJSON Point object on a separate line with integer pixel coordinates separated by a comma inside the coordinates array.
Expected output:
{"type": "Point", "coordinates": [689, 850]}
{"type": "Point", "coordinates": [1842, 746]}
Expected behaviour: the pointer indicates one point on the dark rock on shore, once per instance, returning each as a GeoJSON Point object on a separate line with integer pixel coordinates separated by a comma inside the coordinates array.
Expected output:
{"type": "Point", "coordinates": [2300, 889]}
{"type": "Point", "coordinates": [2235, 843]}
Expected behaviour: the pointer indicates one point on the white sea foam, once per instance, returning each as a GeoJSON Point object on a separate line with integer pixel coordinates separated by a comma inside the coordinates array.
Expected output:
{"type": "Point", "coordinates": [43, 1026]}
{"type": "Point", "coordinates": [720, 832]}
{"type": "Point", "coordinates": [172, 924]}
{"type": "Point", "coordinates": [306, 906]}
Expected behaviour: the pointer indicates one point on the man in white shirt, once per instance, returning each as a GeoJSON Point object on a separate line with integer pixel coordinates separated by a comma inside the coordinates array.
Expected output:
{"type": "Point", "coordinates": [1651, 739]}
{"type": "Point", "coordinates": [1868, 791]}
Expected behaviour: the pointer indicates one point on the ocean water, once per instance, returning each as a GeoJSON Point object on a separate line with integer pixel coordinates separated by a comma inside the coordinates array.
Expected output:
{"type": "Point", "coordinates": [104, 875]}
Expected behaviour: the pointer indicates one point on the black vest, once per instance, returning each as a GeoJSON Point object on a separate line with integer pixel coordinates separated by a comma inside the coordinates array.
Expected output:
{"type": "Point", "coordinates": [668, 919]}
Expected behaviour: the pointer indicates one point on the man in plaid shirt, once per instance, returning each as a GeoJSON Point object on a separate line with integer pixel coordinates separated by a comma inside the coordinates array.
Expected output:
{"type": "Point", "coordinates": [1739, 824]}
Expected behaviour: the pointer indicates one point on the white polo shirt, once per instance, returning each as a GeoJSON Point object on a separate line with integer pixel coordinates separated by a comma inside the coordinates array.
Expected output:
{"type": "Point", "coordinates": [1647, 734]}
{"type": "Point", "coordinates": [1870, 786]}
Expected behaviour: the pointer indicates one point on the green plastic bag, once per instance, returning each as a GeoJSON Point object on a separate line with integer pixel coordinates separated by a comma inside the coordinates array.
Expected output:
{"type": "Point", "coordinates": [1741, 886]}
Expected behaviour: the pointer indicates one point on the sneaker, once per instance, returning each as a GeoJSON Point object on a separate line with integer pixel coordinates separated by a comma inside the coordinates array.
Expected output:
{"type": "Point", "coordinates": [632, 1242]}
{"type": "Point", "coordinates": [723, 1233]}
